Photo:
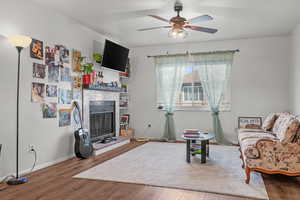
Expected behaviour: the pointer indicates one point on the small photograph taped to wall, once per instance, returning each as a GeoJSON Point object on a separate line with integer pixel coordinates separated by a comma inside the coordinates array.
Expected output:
{"type": "Point", "coordinates": [37, 92]}
{"type": "Point", "coordinates": [65, 74]}
{"type": "Point", "coordinates": [76, 82]}
{"type": "Point", "coordinates": [38, 71]}
{"type": "Point", "coordinates": [51, 91]}
{"type": "Point", "coordinates": [53, 73]}
{"type": "Point", "coordinates": [64, 117]}
{"type": "Point", "coordinates": [37, 49]}
{"type": "Point", "coordinates": [49, 55]}
{"type": "Point", "coordinates": [65, 96]}
{"type": "Point", "coordinates": [76, 56]}
{"type": "Point", "coordinates": [64, 54]}
{"type": "Point", "coordinates": [77, 95]}
{"type": "Point", "coordinates": [49, 110]}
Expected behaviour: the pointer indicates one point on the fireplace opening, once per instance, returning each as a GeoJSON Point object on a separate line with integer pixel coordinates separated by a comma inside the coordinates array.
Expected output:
{"type": "Point", "coordinates": [102, 120]}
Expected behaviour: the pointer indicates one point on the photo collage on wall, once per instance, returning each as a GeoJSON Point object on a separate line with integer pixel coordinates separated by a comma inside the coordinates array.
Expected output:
{"type": "Point", "coordinates": [56, 80]}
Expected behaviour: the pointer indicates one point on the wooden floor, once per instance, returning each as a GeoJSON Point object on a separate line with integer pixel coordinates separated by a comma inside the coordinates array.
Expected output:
{"type": "Point", "coordinates": [56, 183]}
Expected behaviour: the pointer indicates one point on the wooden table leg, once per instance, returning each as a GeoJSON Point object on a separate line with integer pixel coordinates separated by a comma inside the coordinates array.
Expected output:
{"type": "Point", "coordinates": [203, 151]}
{"type": "Point", "coordinates": [188, 151]}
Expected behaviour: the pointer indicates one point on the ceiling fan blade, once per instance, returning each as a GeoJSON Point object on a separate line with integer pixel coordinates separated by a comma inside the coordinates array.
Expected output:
{"type": "Point", "coordinates": [159, 18]}
{"type": "Point", "coordinates": [153, 28]}
{"type": "Point", "coordinates": [202, 29]}
{"type": "Point", "coordinates": [201, 18]}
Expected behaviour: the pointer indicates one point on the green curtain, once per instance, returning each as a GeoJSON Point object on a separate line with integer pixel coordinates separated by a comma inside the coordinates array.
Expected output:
{"type": "Point", "coordinates": [215, 70]}
{"type": "Point", "coordinates": [169, 74]}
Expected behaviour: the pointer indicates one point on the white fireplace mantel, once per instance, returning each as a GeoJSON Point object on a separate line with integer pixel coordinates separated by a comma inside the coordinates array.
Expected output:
{"type": "Point", "coordinates": [95, 95]}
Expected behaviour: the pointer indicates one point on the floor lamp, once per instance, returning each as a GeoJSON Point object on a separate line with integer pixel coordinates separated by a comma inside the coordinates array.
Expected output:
{"type": "Point", "coordinates": [20, 42]}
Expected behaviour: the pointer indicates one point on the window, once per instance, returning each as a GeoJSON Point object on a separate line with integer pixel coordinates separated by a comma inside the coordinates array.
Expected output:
{"type": "Point", "coordinates": [185, 82]}
{"type": "Point", "coordinates": [192, 97]}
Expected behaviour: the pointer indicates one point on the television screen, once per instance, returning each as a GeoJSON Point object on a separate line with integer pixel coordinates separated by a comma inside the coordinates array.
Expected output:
{"type": "Point", "coordinates": [115, 56]}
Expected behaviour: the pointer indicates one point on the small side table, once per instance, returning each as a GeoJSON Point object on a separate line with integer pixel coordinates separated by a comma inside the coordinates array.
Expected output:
{"type": "Point", "coordinates": [204, 142]}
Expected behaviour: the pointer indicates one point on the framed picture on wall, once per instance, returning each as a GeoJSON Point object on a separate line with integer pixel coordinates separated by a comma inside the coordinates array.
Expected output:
{"type": "Point", "coordinates": [249, 122]}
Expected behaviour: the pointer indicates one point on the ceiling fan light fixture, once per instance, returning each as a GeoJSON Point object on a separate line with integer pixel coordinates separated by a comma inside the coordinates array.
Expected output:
{"type": "Point", "coordinates": [178, 33]}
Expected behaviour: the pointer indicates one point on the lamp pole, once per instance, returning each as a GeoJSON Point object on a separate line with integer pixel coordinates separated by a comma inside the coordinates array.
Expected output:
{"type": "Point", "coordinates": [18, 94]}
{"type": "Point", "coordinates": [19, 42]}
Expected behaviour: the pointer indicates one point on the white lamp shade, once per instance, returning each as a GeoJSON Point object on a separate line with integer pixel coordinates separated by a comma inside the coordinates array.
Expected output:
{"type": "Point", "coordinates": [19, 40]}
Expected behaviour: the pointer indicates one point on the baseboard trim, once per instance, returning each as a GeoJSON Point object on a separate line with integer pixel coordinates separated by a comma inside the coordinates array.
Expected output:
{"type": "Point", "coordinates": [40, 166]}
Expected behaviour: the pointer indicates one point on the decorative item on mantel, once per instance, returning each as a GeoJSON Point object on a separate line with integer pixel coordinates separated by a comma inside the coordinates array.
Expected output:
{"type": "Point", "coordinates": [87, 69]}
{"type": "Point", "coordinates": [112, 86]}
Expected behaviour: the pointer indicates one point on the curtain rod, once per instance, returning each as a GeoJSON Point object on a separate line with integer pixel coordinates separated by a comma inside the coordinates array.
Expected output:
{"type": "Point", "coordinates": [182, 54]}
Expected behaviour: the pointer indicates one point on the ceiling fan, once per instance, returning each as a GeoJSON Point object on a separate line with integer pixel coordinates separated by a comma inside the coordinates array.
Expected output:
{"type": "Point", "coordinates": [178, 24]}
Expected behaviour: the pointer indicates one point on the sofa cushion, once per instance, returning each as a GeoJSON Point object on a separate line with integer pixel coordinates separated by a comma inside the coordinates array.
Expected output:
{"type": "Point", "coordinates": [288, 130]}
{"type": "Point", "coordinates": [242, 130]}
{"type": "Point", "coordinates": [259, 135]}
{"type": "Point", "coordinates": [269, 121]}
{"type": "Point", "coordinates": [282, 119]}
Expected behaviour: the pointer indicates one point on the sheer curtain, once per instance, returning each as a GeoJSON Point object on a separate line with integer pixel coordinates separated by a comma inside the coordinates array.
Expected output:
{"type": "Point", "coordinates": [214, 70]}
{"type": "Point", "coordinates": [169, 74]}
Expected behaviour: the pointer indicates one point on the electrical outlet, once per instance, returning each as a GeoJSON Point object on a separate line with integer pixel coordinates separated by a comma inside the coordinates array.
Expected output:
{"type": "Point", "coordinates": [30, 148]}
{"type": "Point", "coordinates": [149, 125]}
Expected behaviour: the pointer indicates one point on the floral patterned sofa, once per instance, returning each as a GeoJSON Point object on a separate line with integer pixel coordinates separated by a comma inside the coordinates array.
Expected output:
{"type": "Point", "coordinates": [274, 148]}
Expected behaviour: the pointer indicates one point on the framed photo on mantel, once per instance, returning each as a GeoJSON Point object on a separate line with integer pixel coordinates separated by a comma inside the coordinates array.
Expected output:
{"type": "Point", "coordinates": [249, 122]}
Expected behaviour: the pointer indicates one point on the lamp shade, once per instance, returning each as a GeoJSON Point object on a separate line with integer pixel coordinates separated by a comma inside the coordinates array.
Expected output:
{"type": "Point", "coordinates": [19, 40]}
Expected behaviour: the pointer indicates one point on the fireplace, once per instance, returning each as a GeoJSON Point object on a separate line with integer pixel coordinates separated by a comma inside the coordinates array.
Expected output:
{"type": "Point", "coordinates": [102, 120]}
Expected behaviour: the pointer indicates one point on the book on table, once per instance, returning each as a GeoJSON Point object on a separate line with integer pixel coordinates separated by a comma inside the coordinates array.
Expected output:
{"type": "Point", "coordinates": [188, 135]}
{"type": "Point", "coordinates": [192, 131]}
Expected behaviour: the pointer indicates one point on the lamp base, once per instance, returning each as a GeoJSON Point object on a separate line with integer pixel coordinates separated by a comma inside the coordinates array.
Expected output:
{"type": "Point", "coordinates": [17, 181]}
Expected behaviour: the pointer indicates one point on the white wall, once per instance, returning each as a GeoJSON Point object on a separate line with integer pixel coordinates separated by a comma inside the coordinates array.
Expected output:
{"type": "Point", "coordinates": [295, 71]}
{"type": "Point", "coordinates": [51, 142]}
{"type": "Point", "coordinates": [259, 84]}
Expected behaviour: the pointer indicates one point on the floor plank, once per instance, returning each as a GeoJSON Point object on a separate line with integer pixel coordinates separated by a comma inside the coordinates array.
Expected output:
{"type": "Point", "coordinates": [56, 182]}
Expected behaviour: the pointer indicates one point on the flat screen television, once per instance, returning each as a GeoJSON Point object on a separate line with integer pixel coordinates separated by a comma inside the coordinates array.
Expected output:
{"type": "Point", "coordinates": [115, 56]}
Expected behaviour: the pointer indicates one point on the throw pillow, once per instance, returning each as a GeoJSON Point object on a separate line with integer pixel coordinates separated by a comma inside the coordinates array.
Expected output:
{"type": "Point", "coordinates": [269, 121]}
{"type": "Point", "coordinates": [288, 130]}
{"type": "Point", "coordinates": [279, 121]}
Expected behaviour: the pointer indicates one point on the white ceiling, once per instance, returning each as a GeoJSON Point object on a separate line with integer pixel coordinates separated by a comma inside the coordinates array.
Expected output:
{"type": "Point", "coordinates": [234, 18]}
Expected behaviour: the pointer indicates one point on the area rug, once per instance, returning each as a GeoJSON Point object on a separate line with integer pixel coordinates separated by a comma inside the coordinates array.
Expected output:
{"type": "Point", "coordinates": [164, 165]}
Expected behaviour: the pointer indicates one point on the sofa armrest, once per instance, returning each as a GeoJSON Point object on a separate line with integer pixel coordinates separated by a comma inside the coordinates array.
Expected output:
{"type": "Point", "coordinates": [252, 152]}
{"type": "Point", "coordinates": [273, 151]}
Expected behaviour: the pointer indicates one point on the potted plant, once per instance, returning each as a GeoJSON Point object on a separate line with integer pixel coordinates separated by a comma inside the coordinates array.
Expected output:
{"type": "Point", "coordinates": [97, 57]}
{"type": "Point", "coordinates": [87, 69]}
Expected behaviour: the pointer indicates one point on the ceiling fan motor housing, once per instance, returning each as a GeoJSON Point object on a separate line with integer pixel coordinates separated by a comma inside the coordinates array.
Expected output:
{"type": "Point", "coordinates": [178, 21]}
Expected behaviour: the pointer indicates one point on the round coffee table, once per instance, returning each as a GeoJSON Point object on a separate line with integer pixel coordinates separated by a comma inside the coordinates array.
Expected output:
{"type": "Point", "coordinates": [204, 144]}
